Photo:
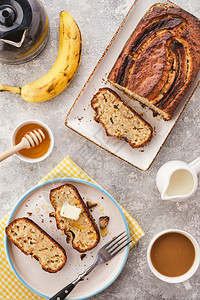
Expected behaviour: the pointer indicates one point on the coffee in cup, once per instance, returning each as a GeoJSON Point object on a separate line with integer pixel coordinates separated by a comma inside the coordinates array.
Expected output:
{"type": "Point", "coordinates": [173, 255]}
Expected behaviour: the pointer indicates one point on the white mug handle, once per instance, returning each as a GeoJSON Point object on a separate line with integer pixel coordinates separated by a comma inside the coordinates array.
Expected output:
{"type": "Point", "coordinates": [195, 164]}
{"type": "Point", "coordinates": [187, 285]}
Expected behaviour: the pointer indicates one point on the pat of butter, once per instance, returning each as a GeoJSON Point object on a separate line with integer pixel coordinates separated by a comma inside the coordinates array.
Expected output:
{"type": "Point", "coordinates": [70, 211]}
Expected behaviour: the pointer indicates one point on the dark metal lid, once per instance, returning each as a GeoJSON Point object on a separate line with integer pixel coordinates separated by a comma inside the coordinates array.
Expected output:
{"type": "Point", "coordinates": [15, 18]}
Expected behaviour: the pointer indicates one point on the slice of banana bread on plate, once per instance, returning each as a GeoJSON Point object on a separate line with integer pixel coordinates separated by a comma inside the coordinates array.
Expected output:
{"type": "Point", "coordinates": [119, 120]}
{"type": "Point", "coordinates": [33, 240]}
{"type": "Point", "coordinates": [85, 231]}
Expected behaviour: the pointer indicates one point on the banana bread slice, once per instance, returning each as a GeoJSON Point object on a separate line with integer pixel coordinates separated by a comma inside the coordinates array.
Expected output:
{"type": "Point", "coordinates": [120, 120]}
{"type": "Point", "coordinates": [85, 231]}
{"type": "Point", "coordinates": [33, 240]}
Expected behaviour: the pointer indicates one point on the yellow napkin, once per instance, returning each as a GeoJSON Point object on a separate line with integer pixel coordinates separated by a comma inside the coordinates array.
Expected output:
{"type": "Point", "coordinates": [10, 286]}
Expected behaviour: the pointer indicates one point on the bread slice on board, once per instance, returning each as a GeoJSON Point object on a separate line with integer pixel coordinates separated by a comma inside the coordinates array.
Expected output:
{"type": "Point", "coordinates": [119, 120]}
{"type": "Point", "coordinates": [33, 240]}
{"type": "Point", "coordinates": [85, 231]}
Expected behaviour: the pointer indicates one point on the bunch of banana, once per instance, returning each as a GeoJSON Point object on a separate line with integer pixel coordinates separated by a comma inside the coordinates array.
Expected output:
{"type": "Point", "coordinates": [63, 70]}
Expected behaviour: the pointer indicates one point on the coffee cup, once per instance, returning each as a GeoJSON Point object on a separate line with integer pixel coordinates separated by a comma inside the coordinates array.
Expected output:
{"type": "Point", "coordinates": [173, 256]}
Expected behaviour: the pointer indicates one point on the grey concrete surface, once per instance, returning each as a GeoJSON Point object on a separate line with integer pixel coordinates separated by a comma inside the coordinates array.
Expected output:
{"type": "Point", "coordinates": [132, 188]}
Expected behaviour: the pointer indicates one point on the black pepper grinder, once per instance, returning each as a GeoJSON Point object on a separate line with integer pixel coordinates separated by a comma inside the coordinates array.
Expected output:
{"type": "Point", "coordinates": [23, 30]}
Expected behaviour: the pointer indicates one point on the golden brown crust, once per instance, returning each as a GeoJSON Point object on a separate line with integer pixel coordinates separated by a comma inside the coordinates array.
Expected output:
{"type": "Point", "coordinates": [85, 231]}
{"type": "Point", "coordinates": [99, 113]}
{"type": "Point", "coordinates": [161, 59]}
{"type": "Point", "coordinates": [11, 228]}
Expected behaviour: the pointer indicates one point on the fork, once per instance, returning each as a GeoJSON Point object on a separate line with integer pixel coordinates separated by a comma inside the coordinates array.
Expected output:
{"type": "Point", "coordinates": [107, 252]}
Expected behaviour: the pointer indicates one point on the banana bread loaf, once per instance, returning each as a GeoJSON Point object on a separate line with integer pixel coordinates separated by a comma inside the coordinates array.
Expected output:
{"type": "Point", "coordinates": [119, 120]}
{"type": "Point", "coordinates": [33, 240]}
{"type": "Point", "coordinates": [161, 59]}
{"type": "Point", "coordinates": [85, 231]}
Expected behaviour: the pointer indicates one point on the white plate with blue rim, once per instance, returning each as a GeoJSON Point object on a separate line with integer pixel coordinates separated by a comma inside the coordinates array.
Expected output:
{"type": "Point", "coordinates": [35, 204]}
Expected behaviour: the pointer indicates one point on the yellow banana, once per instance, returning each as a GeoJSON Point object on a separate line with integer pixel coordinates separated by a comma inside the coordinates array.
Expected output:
{"type": "Point", "coordinates": [63, 70]}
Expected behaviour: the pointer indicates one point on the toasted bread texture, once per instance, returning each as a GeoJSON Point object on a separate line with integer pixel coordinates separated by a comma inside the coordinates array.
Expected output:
{"type": "Point", "coordinates": [85, 231]}
{"type": "Point", "coordinates": [161, 59]}
{"type": "Point", "coordinates": [33, 240]}
{"type": "Point", "coordinates": [119, 120]}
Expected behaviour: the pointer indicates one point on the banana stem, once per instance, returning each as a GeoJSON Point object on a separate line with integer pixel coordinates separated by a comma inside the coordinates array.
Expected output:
{"type": "Point", "coordinates": [12, 89]}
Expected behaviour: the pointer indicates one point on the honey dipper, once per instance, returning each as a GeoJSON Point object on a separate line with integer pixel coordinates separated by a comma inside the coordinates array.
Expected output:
{"type": "Point", "coordinates": [30, 139]}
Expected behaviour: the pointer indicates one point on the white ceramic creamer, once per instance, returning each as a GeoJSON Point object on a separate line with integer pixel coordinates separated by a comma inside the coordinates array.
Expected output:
{"type": "Point", "coordinates": [177, 180]}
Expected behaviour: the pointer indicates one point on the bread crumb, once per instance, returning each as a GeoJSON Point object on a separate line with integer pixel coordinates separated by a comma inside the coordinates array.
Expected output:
{"type": "Point", "coordinates": [52, 214]}
{"type": "Point", "coordinates": [90, 204]}
{"type": "Point", "coordinates": [69, 237]}
{"type": "Point", "coordinates": [103, 221]}
{"type": "Point", "coordinates": [77, 262]}
{"type": "Point", "coordinates": [82, 256]}
{"type": "Point", "coordinates": [101, 209]}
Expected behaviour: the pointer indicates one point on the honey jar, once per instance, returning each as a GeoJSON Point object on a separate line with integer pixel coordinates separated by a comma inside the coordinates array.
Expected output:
{"type": "Point", "coordinates": [37, 153]}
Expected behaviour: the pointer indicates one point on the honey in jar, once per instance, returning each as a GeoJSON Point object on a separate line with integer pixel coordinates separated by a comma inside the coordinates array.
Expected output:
{"type": "Point", "coordinates": [37, 151]}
